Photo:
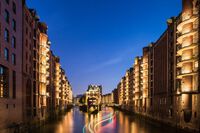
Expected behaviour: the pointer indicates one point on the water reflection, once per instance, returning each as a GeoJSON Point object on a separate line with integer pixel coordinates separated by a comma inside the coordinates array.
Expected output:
{"type": "Point", "coordinates": [106, 121]}
{"type": "Point", "coordinates": [66, 122]}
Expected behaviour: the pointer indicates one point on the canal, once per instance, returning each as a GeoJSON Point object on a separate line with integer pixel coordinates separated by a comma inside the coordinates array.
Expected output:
{"type": "Point", "coordinates": [106, 121]}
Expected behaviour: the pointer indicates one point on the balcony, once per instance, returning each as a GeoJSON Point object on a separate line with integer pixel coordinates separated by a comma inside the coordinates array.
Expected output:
{"type": "Point", "coordinates": [47, 57]}
{"type": "Point", "coordinates": [181, 61]}
{"type": "Point", "coordinates": [192, 91]}
{"type": "Point", "coordinates": [47, 74]}
{"type": "Point", "coordinates": [182, 36]}
{"type": "Point", "coordinates": [180, 49]}
{"type": "Point", "coordinates": [187, 21]}
{"type": "Point", "coordinates": [180, 74]}
{"type": "Point", "coordinates": [48, 46]}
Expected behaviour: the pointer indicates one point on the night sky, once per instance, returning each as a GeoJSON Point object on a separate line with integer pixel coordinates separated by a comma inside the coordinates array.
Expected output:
{"type": "Point", "coordinates": [98, 40]}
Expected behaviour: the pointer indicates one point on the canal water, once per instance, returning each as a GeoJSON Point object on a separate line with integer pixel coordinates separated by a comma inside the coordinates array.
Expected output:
{"type": "Point", "coordinates": [106, 121]}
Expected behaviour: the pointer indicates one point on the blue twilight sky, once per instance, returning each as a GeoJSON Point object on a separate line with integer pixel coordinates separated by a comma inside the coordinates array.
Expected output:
{"type": "Point", "coordinates": [97, 40]}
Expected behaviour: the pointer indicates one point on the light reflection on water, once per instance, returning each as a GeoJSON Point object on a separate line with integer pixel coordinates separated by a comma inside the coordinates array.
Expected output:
{"type": "Point", "coordinates": [74, 122]}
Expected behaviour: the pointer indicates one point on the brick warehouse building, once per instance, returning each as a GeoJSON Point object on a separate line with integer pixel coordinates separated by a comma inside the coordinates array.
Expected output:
{"type": "Point", "coordinates": [10, 62]}
{"type": "Point", "coordinates": [169, 92]}
{"type": "Point", "coordinates": [26, 62]}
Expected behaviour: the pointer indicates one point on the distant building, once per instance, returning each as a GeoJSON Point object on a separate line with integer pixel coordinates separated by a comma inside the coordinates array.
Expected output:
{"type": "Point", "coordinates": [138, 84]}
{"type": "Point", "coordinates": [107, 99]}
{"type": "Point", "coordinates": [94, 93]}
{"type": "Point", "coordinates": [77, 99]}
{"type": "Point", "coordinates": [115, 96]}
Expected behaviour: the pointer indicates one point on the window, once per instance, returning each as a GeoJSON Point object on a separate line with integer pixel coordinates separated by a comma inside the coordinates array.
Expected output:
{"type": "Point", "coordinates": [195, 114]}
{"type": "Point", "coordinates": [14, 7]}
{"type": "Point", "coordinates": [30, 58]}
{"type": "Point", "coordinates": [7, 1]}
{"type": "Point", "coordinates": [7, 16]}
{"type": "Point", "coordinates": [34, 54]}
{"type": "Point", "coordinates": [4, 82]}
{"type": "Point", "coordinates": [14, 84]}
{"type": "Point", "coordinates": [14, 25]}
{"type": "Point", "coordinates": [6, 54]}
{"type": "Point", "coordinates": [26, 55]}
{"type": "Point", "coordinates": [13, 43]}
{"type": "Point", "coordinates": [13, 59]}
{"type": "Point", "coordinates": [196, 65]}
{"type": "Point", "coordinates": [6, 35]}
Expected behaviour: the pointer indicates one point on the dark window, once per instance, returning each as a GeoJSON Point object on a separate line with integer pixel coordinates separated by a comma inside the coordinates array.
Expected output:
{"type": "Point", "coordinates": [34, 74]}
{"type": "Point", "coordinates": [14, 84]}
{"type": "Point", "coordinates": [30, 59]}
{"type": "Point", "coordinates": [14, 25]}
{"type": "Point", "coordinates": [6, 35]}
{"type": "Point", "coordinates": [34, 54]}
{"type": "Point", "coordinates": [6, 54]}
{"type": "Point", "coordinates": [35, 32]}
{"type": "Point", "coordinates": [14, 7]}
{"type": "Point", "coordinates": [26, 55]}
{"type": "Point", "coordinates": [34, 44]}
{"type": "Point", "coordinates": [4, 82]}
{"type": "Point", "coordinates": [13, 59]}
{"type": "Point", "coordinates": [195, 114]}
{"type": "Point", "coordinates": [151, 101]}
{"type": "Point", "coordinates": [34, 88]}
{"type": "Point", "coordinates": [34, 111]}
{"type": "Point", "coordinates": [7, 1]}
{"type": "Point", "coordinates": [7, 16]}
{"type": "Point", "coordinates": [13, 42]}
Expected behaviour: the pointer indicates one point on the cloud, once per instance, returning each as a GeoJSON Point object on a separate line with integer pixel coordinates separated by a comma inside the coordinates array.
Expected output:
{"type": "Point", "coordinates": [106, 64]}
{"type": "Point", "coordinates": [126, 53]}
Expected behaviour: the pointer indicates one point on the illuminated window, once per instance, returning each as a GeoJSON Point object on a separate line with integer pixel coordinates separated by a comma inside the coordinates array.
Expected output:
{"type": "Point", "coordinates": [196, 65]}
{"type": "Point", "coordinates": [4, 82]}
